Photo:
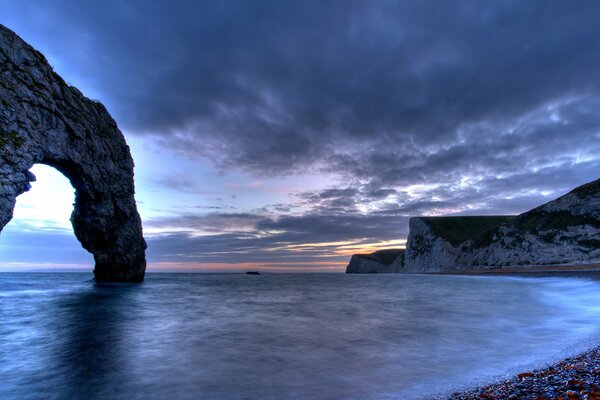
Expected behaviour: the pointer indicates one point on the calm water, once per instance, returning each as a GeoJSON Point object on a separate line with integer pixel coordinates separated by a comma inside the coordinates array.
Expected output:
{"type": "Point", "coordinates": [323, 336]}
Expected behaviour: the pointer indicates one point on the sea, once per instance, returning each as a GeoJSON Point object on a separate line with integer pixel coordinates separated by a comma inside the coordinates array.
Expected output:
{"type": "Point", "coordinates": [283, 336]}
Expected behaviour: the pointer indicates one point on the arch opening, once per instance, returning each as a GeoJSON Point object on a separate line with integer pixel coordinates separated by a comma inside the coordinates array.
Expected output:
{"type": "Point", "coordinates": [40, 235]}
{"type": "Point", "coordinates": [46, 121]}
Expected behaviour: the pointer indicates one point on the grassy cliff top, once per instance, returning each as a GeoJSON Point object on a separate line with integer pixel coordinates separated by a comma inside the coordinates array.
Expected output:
{"type": "Point", "coordinates": [457, 230]}
{"type": "Point", "coordinates": [386, 256]}
{"type": "Point", "coordinates": [539, 219]}
{"type": "Point", "coordinates": [587, 189]}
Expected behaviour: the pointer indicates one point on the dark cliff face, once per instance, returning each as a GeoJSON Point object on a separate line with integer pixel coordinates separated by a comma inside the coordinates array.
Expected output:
{"type": "Point", "coordinates": [379, 262]}
{"type": "Point", "coordinates": [45, 121]}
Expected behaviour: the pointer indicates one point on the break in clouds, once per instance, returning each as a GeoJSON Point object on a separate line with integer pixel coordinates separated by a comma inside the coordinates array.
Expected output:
{"type": "Point", "coordinates": [414, 107]}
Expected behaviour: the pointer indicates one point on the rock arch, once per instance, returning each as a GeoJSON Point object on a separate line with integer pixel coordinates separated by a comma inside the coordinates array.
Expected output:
{"type": "Point", "coordinates": [45, 121]}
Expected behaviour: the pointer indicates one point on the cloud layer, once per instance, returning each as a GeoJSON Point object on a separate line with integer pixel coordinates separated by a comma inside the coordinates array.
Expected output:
{"type": "Point", "coordinates": [414, 107]}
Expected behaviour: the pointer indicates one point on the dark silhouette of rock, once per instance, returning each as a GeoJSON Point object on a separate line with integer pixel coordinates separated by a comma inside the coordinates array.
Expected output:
{"type": "Point", "coordinates": [252, 273]}
{"type": "Point", "coordinates": [387, 261]}
{"type": "Point", "coordinates": [45, 121]}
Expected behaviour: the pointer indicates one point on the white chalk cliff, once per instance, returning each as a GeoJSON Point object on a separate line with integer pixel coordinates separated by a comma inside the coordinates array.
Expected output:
{"type": "Point", "coordinates": [563, 231]}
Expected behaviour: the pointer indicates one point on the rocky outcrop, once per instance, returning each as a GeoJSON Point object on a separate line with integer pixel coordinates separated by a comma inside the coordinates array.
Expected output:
{"type": "Point", "coordinates": [380, 262]}
{"type": "Point", "coordinates": [563, 231]}
{"type": "Point", "coordinates": [435, 243]}
{"type": "Point", "coordinates": [45, 121]}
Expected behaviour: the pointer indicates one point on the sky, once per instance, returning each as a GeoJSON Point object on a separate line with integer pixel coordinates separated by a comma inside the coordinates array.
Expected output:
{"type": "Point", "coordinates": [288, 135]}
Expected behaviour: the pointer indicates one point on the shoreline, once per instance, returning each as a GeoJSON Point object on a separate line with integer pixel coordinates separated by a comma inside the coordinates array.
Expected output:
{"type": "Point", "coordinates": [564, 270]}
{"type": "Point", "coordinates": [576, 377]}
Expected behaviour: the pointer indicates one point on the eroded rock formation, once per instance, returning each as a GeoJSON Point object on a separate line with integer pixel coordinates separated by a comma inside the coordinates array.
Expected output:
{"type": "Point", "coordinates": [45, 121]}
{"type": "Point", "coordinates": [563, 231]}
{"type": "Point", "coordinates": [380, 262]}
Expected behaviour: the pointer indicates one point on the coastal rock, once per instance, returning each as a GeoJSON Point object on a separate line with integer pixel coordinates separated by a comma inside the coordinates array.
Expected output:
{"type": "Point", "coordinates": [43, 120]}
{"type": "Point", "coordinates": [435, 244]}
{"type": "Point", "coordinates": [380, 262]}
{"type": "Point", "coordinates": [563, 231]}
{"type": "Point", "coordinates": [573, 378]}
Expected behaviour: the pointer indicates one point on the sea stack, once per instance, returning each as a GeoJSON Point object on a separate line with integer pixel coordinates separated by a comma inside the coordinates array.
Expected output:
{"type": "Point", "coordinates": [43, 120]}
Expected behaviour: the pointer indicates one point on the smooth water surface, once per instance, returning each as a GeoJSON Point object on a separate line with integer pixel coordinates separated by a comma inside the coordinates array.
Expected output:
{"type": "Point", "coordinates": [303, 336]}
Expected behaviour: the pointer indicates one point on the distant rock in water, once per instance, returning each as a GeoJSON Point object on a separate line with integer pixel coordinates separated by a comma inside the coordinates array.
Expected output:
{"type": "Point", "coordinates": [252, 273]}
{"type": "Point", "coordinates": [563, 231]}
{"type": "Point", "coordinates": [380, 262]}
{"type": "Point", "coordinates": [43, 120]}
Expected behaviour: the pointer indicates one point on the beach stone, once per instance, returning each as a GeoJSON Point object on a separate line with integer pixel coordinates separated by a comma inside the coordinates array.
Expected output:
{"type": "Point", "coordinates": [43, 120]}
{"type": "Point", "coordinates": [572, 378]}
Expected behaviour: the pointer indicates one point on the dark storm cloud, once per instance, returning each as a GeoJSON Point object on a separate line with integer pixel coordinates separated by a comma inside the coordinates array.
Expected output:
{"type": "Point", "coordinates": [180, 247]}
{"type": "Point", "coordinates": [211, 222]}
{"type": "Point", "coordinates": [556, 133]}
{"type": "Point", "coordinates": [271, 86]}
{"type": "Point", "coordinates": [270, 239]}
{"type": "Point", "coordinates": [311, 228]}
{"type": "Point", "coordinates": [289, 229]}
{"type": "Point", "coordinates": [492, 107]}
{"type": "Point", "coordinates": [342, 200]}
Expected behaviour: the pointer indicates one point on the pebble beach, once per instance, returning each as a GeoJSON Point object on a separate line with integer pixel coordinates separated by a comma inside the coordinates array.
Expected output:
{"type": "Point", "coordinates": [573, 378]}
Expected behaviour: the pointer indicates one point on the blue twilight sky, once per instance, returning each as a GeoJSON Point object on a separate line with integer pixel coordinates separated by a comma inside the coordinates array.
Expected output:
{"type": "Point", "coordinates": [286, 135]}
